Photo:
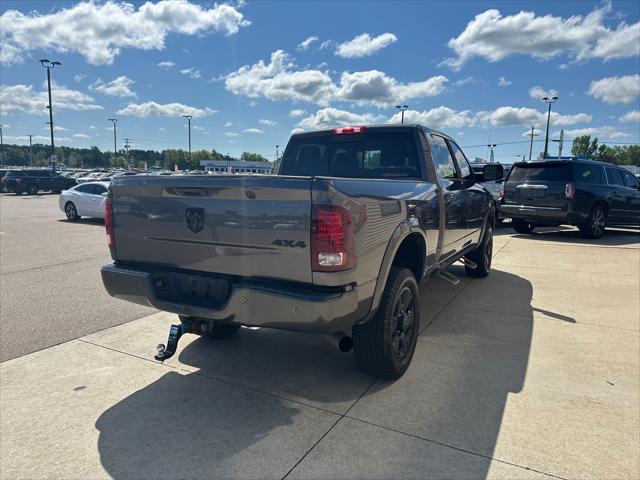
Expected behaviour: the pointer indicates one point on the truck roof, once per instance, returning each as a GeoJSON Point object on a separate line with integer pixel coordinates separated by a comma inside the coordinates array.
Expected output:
{"type": "Point", "coordinates": [383, 127]}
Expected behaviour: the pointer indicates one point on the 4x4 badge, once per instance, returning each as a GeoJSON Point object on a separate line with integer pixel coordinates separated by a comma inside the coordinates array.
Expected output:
{"type": "Point", "coordinates": [195, 219]}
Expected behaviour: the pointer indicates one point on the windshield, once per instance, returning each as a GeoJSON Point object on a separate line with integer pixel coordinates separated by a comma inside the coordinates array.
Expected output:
{"type": "Point", "coordinates": [369, 155]}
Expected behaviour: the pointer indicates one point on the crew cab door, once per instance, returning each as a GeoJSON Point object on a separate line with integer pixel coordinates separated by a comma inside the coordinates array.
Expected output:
{"type": "Point", "coordinates": [455, 198]}
{"type": "Point", "coordinates": [632, 195]}
{"type": "Point", "coordinates": [619, 197]}
{"type": "Point", "coordinates": [475, 197]}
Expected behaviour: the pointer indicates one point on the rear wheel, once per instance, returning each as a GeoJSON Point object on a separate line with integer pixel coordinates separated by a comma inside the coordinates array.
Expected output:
{"type": "Point", "coordinates": [521, 226]}
{"type": "Point", "coordinates": [595, 224]}
{"type": "Point", "coordinates": [482, 254]}
{"type": "Point", "coordinates": [71, 212]}
{"type": "Point", "coordinates": [211, 328]}
{"type": "Point", "coordinates": [384, 346]}
{"type": "Point", "coordinates": [32, 189]}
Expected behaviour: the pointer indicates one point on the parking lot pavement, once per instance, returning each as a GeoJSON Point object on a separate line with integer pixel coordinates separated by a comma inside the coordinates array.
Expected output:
{"type": "Point", "coordinates": [532, 372]}
{"type": "Point", "coordinates": [50, 287]}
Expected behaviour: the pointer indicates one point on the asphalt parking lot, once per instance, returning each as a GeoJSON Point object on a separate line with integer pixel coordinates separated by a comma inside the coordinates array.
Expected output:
{"type": "Point", "coordinates": [533, 372]}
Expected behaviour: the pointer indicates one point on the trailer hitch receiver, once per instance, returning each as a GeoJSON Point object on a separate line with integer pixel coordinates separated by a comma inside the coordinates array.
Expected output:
{"type": "Point", "coordinates": [175, 332]}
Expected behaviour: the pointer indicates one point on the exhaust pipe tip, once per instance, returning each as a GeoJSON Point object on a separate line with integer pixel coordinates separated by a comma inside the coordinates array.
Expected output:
{"type": "Point", "coordinates": [340, 340]}
{"type": "Point", "coordinates": [345, 344]}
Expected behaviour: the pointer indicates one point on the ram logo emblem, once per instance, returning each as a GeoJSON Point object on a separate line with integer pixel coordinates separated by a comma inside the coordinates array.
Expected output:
{"type": "Point", "coordinates": [195, 219]}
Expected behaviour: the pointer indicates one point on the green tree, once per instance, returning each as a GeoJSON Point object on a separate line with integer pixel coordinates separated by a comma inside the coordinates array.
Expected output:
{"type": "Point", "coordinates": [583, 146]}
{"type": "Point", "coordinates": [252, 157]}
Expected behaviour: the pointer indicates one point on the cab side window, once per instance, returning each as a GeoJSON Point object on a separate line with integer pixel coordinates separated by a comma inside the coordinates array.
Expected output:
{"type": "Point", "coordinates": [630, 180]}
{"type": "Point", "coordinates": [615, 176]}
{"type": "Point", "coordinates": [461, 161]}
{"type": "Point", "coordinates": [445, 168]}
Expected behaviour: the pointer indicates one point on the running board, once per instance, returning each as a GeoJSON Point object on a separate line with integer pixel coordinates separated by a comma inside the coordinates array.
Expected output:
{"type": "Point", "coordinates": [448, 277]}
{"type": "Point", "coordinates": [468, 263]}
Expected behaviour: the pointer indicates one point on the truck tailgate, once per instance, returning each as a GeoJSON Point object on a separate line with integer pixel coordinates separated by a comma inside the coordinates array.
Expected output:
{"type": "Point", "coordinates": [256, 226]}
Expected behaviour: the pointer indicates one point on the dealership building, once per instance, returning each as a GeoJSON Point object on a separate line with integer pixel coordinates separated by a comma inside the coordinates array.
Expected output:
{"type": "Point", "coordinates": [236, 166]}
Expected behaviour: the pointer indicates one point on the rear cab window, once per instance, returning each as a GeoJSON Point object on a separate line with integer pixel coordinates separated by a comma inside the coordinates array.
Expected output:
{"type": "Point", "coordinates": [540, 172]}
{"type": "Point", "coordinates": [372, 154]}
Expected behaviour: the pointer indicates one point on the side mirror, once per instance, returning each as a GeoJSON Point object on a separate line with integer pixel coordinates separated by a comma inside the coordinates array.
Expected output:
{"type": "Point", "coordinates": [105, 194]}
{"type": "Point", "coordinates": [492, 172]}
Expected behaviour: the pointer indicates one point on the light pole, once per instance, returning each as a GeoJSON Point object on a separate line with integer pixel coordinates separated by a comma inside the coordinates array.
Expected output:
{"type": "Point", "coordinates": [532, 134]}
{"type": "Point", "coordinates": [549, 101]}
{"type": "Point", "coordinates": [402, 108]}
{"type": "Point", "coordinates": [1, 146]}
{"type": "Point", "coordinates": [188, 117]}
{"type": "Point", "coordinates": [491, 146]}
{"type": "Point", "coordinates": [30, 151]}
{"type": "Point", "coordinates": [115, 143]}
{"type": "Point", "coordinates": [49, 65]}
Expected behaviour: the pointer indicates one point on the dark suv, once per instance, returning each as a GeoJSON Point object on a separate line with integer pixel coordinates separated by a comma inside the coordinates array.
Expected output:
{"type": "Point", "coordinates": [584, 193]}
{"type": "Point", "coordinates": [32, 181]}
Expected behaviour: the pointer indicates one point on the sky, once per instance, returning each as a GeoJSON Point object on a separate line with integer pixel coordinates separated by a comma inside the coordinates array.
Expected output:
{"type": "Point", "coordinates": [251, 73]}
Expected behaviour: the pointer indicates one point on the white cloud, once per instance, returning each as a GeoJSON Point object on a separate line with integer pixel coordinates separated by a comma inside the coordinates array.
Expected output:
{"type": "Point", "coordinates": [536, 132]}
{"type": "Point", "coordinates": [252, 130]}
{"type": "Point", "coordinates": [326, 44]}
{"type": "Point", "coordinates": [509, 116]}
{"type": "Point", "coordinates": [376, 88]}
{"type": "Point", "coordinates": [80, 135]}
{"type": "Point", "coordinates": [34, 138]}
{"type": "Point", "coordinates": [79, 77]}
{"type": "Point", "coordinates": [166, 64]}
{"type": "Point", "coordinates": [191, 72]}
{"type": "Point", "coordinates": [616, 89]}
{"type": "Point", "coordinates": [538, 93]}
{"type": "Point", "coordinates": [198, 127]}
{"type": "Point", "coordinates": [438, 118]}
{"type": "Point", "coordinates": [153, 109]}
{"type": "Point", "coordinates": [92, 127]}
{"type": "Point", "coordinates": [492, 36]}
{"type": "Point", "coordinates": [228, 124]}
{"type": "Point", "coordinates": [99, 31]}
{"type": "Point", "coordinates": [298, 112]}
{"type": "Point", "coordinates": [297, 130]}
{"type": "Point", "coordinates": [230, 134]}
{"type": "Point", "coordinates": [466, 81]}
{"type": "Point", "coordinates": [280, 81]}
{"type": "Point", "coordinates": [364, 45]}
{"type": "Point", "coordinates": [503, 82]}
{"type": "Point", "coordinates": [307, 43]}
{"type": "Point", "coordinates": [268, 123]}
{"type": "Point", "coordinates": [119, 87]}
{"type": "Point", "coordinates": [632, 116]}
{"type": "Point", "coordinates": [56, 128]}
{"type": "Point", "coordinates": [23, 98]}
{"type": "Point", "coordinates": [600, 132]}
{"type": "Point", "coordinates": [332, 118]}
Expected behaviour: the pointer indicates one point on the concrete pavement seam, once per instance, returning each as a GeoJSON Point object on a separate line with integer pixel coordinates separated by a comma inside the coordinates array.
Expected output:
{"type": "Point", "coordinates": [52, 265]}
{"type": "Point", "coordinates": [454, 447]}
{"type": "Point", "coordinates": [330, 428]}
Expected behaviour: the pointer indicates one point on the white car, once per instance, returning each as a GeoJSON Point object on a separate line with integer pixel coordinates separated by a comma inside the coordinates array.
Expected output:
{"type": "Point", "coordinates": [86, 199]}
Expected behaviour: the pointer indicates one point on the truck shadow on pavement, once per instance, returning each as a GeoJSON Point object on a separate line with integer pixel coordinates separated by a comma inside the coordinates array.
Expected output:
{"type": "Point", "coordinates": [216, 422]}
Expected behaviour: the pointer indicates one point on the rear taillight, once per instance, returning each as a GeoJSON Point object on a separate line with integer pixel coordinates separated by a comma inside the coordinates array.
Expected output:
{"type": "Point", "coordinates": [348, 130]}
{"type": "Point", "coordinates": [570, 190]}
{"type": "Point", "coordinates": [501, 194]}
{"type": "Point", "coordinates": [108, 223]}
{"type": "Point", "coordinates": [332, 246]}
